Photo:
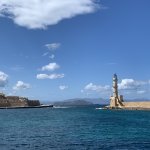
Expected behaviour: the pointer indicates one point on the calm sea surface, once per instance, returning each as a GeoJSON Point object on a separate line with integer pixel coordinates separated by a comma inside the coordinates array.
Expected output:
{"type": "Point", "coordinates": [74, 129]}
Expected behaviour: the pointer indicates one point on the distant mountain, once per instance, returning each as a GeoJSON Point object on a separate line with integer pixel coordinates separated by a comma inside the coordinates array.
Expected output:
{"type": "Point", "coordinates": [72, 103]}
{"type": "Point", "coordinates": [90, 101]}
{"type": "Point", "coordinates": [97, 100]}
{"type": "Point", "coordinates": [80, 102]}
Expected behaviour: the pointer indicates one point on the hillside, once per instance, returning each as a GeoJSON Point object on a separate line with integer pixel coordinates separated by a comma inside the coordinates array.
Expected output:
{"type": "Point", "coordinates": [81, 102]}
{"type": "Point", "coordinates": [73, 102]}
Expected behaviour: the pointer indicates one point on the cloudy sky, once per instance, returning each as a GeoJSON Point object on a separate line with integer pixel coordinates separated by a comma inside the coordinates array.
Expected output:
{"type": "Point", "coordinates": [55, 50]}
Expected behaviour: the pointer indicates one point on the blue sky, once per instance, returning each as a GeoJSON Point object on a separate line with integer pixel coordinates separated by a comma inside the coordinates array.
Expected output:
{"type": "Point", "coordinates": [60, 50]}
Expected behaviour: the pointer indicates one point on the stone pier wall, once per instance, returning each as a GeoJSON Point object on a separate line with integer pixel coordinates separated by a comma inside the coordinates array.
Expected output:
{"type": "Point", "coordinates": [143, 104]}
{"type": "Point", "coordinates": [16, 101]}
{"type": "Point", "coordinates": [4, 103]}
{"type": "Point", "coordinates": [33, 102]}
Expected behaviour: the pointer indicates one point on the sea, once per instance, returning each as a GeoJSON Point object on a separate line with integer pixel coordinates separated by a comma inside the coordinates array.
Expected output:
{"type": "Point", "coordinates": [74, 128]}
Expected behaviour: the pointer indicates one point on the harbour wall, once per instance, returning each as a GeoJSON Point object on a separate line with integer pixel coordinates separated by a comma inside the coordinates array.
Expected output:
{"type": "Point", "coordinates": [142, 104]}
{"type": "Point", "coordinates": [16, 101]}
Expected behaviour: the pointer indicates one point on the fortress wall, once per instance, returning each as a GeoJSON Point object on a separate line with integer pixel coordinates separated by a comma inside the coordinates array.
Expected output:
{"type": "Point", "coordinates": [4, 103]}
{"type": "Point", "coordinates": [12, 97]}
{"type": "Point", "coordinates": [2, 97]}
{"type": "Point", "coordinates": [8, 103]}
{"type": "Point", "coordinates": [143, 104]}
{"type": "Point", "coordinates": [33, 102]}
{"type": "Point", "coordinates": [16, 101]}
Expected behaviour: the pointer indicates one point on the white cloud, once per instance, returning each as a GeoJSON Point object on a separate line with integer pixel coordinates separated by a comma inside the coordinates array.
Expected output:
{"type": "Point", "coordinates": [52, 56]}
{"type": "Point", "coordinates": [20, 85]}
{"type": "Point", "coordinates": [63, 87]}
{"type": "Point", "coordinates": [45, 54]}
{"type": "Point", "coordinates": [127, 84]}
{"type": "Point", "coordinates": [50, 67]}
{"type": "Point", "coordinates": [53, 46]}
{"type": "Point", "coordinates": [3, 79]}
{"type": "Point", "coordinates": [35, 14]}
{"type": "Point", "coordinates": [50, 76]}
{"type": "Point", "coordinates": [141, 92]}
{"type": "Point", "coordinates": [97, 88]}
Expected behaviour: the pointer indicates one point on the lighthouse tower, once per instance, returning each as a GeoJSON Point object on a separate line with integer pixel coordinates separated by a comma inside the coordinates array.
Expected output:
{"type": "Point", "coordinates": [115, 100]}
{"type": "Point", "coordinates": [115, 86]}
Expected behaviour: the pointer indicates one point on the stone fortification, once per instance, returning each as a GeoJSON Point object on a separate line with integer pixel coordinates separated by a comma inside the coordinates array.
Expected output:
{"type": "Point", "coordinates": [117, 102]}
{"type": "Point", "coordinates": [137, 105]}
{"type": "Point", "coordinates": [33, 103]}
{"type": "Point", "coordinates": [16, 101]}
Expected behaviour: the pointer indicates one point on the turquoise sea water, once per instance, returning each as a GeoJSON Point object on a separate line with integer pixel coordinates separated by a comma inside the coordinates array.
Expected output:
{"type": "Point", "coordinates": [74, 129]}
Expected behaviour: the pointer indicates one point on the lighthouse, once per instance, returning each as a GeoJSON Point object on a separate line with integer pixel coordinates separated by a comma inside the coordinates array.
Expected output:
{"type": "Point", "coordinates": [115, 86]}
{"type": "Point", "coordinates": [115, 100]}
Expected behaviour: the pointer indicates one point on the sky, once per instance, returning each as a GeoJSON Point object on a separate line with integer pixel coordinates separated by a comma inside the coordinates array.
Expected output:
{"type": "Point", "coordinates": [56, 50]}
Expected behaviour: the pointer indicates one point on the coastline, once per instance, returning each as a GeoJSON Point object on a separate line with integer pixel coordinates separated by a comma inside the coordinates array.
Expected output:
{"type": "Point", "coordinates": [27, 107]}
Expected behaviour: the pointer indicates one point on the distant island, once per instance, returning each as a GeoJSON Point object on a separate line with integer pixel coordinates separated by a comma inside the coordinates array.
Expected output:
{"type": "Point", "coordinates": [82, 101]}
{"type": "Point", "coordinates": [73, 102]}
